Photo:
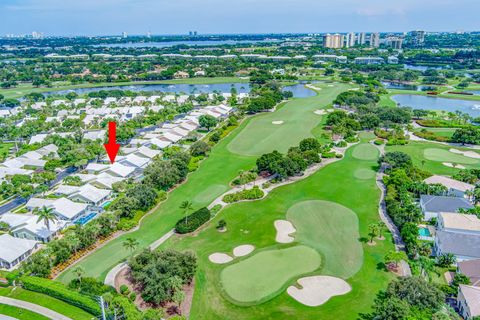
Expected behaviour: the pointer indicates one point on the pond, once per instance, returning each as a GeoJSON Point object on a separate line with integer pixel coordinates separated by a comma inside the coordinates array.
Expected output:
{"type": "Point", "coordinates": [404, 86]}
{"type": "Point", "coordinates": [299, 90]}
{"type": "Point", "coordinates": [437, 103]}
{"type": "Point", "coordinates": [422, 68]}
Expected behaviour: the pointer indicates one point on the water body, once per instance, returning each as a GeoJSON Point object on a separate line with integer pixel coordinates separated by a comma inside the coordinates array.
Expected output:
{"type": "Point", "coordinates": [167, 44]}
{"type": "Point", "coordinates": [475, 92]}
{"type": "Point", "coordinates": [299, 90]}
{"type": "Point", "coordinates": [437, 103]}
{"type": "Point", "coordinates": [422, 68]}
{"type": "Point", "coordinates": [402, 86]}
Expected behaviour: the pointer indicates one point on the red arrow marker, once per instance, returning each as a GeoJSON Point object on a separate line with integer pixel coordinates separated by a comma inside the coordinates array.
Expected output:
{"type": "Point", "coordinates": [112, 146]}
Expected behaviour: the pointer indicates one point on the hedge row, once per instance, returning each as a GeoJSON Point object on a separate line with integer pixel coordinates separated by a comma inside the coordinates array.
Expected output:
{"type": "Point", "coordinates": [193, 221]}
{"type": "Point", "coordinates": [250, 194]}
{"type": "Point", "coordinates": [59, 291]}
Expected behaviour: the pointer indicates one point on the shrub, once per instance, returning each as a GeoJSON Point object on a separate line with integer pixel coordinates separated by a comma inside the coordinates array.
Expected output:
{"type": "Point", "coordinates": [193, 221]}
{"type": "Point", "coordinates": [132, 296]}
{"type": "Point", "coordinates": [352, 139]}
{"type": "Point", "coordinates": [59, 291]}
{"type": "Point", "coordinates": [379, 142]}
{"type": "Point", "coordinates": [342, 144]}
{"type": "Point", "coordinates": [428, 135]}
{"type": "Point", "coordinates": [124, 289]}
{"type": "Point", "coordinates": [339, 155]}
{"type": "Point", "coordinates": [250, 194]}
{"type": "Point", "coordinates": [328, 155]}
{"type": "Point", "coordinates": [221, 224]}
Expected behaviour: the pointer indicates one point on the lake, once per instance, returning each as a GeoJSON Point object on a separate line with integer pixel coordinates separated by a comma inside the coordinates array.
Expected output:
{"type": "Point", "coordinates": [437, 103]}
{"type": "Point", "coordinates": [403, 86]}
{"type": "Point", "coordinates": [299, 90]}
{"type": "Point", "coordinates": [422, 68]}
{"type": "Point", "coordinates": [166, 44]}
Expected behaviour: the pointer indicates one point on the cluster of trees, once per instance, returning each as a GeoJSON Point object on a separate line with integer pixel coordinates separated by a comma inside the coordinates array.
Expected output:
{"type": "Point", "coordinates": [163, 274]}
{"type": "Point", "coordinates": [294, 162]}
{"type": "Point", "coordinates": [468, 135]}
{"type": "Point", "coordinates": [25, 185]}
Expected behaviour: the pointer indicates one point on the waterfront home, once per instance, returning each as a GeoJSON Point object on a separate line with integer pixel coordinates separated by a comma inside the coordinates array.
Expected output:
{"type": "Point", "coordinates": [471, 269]}
{"type": "Point", "coordinates": [432, 205]}
{"type": "Point", "coordinates": [455, 188]}
{"type": "Point", "coordinates": [468, 301]}
{"type": "Point", "coordinates": [14, 250]}
{"type": "Point", "coordinates": [27, 226]}
{"type": "Point", "coordinates": [458, 234]}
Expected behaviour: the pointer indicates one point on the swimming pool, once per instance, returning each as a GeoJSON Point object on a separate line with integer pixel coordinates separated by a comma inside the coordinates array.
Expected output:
{"type": "Point", "coordinates": [424, 232]}
{"type": "Point", "coordinates": [85, 219]}
{"type": "Point", "coordinates": [106, 204]}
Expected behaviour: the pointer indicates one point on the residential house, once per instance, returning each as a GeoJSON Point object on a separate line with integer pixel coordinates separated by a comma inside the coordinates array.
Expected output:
{"type": "Point", "coordinates": [468, 301]}
{"type": "Point", "coordinates": [14, 250]}
{"type": "Point", "coordinates": [64, 208]}
{"type": "Point", "coordinates": [432, 205]}
{"type": "Point", "coordinates": [471, 269]}
{"type": "Point", "coordinates": [27, 226]}
{"type": "Point", "coordinates": [455, 188]}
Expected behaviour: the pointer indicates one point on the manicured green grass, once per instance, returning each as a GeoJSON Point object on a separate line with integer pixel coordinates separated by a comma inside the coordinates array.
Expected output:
{"type": "Point", "coordinates": [263, 275]}
{"type": "Point", "coordinates": [416, 150]}
{"type": "Point", "coordinates": [47, 302]}
{"type": "Point", "coordinates": [442, 132]}
{"type": "Point", "coordinates": [365, 151]}
{"type": "Point", "coordinates": [253, 223]}
{"type": "Point", "coordinates": [332, 229]}
{"type": "Point", "coordinates": [19, 313]}
{"type": "Point", "coordinates": [364, 174]}
{"type": "Point", "coordinates": [261, 135]}
{"type": "Point", "coordinates": [4, 149]}
{"type": "Point", "coordinates": [217, 170]}
{"type": "Point", "coordinates": [386, 101]}
{"type": "Point", "coordinates": [443, 155]}
{"type": "Point", "coordinates": [25, 88]}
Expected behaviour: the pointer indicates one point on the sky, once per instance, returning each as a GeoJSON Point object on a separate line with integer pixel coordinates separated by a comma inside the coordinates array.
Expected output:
{"type": "Point", "coordinates": [112, 17]}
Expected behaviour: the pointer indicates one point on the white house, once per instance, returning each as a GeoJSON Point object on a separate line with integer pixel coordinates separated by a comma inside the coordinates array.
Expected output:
{"type": "Point", "coordinates": [14, 250]}
{"type": "Point", "coordinates": [90, 195]}
{"type": "Point", "coordinates": [27, 226]}
{"type": "Point", "coordinates": [455, 188]}
{"type": "Point", "coordinates": [64, 208]}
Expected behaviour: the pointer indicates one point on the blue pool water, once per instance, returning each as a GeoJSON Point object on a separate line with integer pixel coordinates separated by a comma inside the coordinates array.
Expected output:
{"type": "Point", "coordinates": [424, 232]}
{"type": "Point", "coordinates": [86, 219]}
{"type": "Point", "coordinates": [106, 204]}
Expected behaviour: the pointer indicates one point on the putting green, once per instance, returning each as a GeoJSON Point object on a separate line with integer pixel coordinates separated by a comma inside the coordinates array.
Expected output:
{"type": "Point", "coordinates": [206, 194]}
{"type": "Point", "coordinates": [364, 174]}
{"type": "Point", "coordinates": [365, 151]}
{"type": "Point", "coordinates": [442, 155]}
{"type": "Point", "coordinates": [332, 229]}
{"type": "Point", "coordinates": [265, 274]}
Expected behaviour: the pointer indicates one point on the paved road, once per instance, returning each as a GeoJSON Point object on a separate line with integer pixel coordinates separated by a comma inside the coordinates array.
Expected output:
{"type": "Point", "coordinates": [33, 307]}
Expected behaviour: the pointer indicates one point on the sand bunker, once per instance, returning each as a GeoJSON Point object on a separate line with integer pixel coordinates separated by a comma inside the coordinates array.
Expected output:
{"type": "Point", "coordinates": [470, 154]}
{"type": "Point", "coordinates": [219, 258]}
{"type": "Point", "coordinates": [277, 122]}
{"type": "Point", "coordinates": [449, 164]}
{"type": "Point", "coordinates": [284, 228]}
{"type": "Point", "coordinates": [243, 250]}
{"type": "Point", "coordinates": [330, 85]}
{"type": "Point", "coordinates": [320, 112]}
{"type": "Point", "coordinates": [317, 290]}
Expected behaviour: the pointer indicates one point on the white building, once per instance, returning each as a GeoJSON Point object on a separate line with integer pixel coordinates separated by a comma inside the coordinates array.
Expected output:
{"type": "Point", "coordinates": [14, 250]}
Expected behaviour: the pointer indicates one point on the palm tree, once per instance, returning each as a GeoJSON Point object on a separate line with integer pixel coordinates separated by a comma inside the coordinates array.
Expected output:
{"type": "Point", "coordinates": [46, 215]}
{"type": "Point", "coordinates": [79, 272]}
{"type": "Point", "coordinates": [186, 206]}
{"type": "Point", "coordinates": [381, 228]}
{"type": "Point", "coordinates": [130, 244]}
{"type": "Point", "coordinates": [372, 231]}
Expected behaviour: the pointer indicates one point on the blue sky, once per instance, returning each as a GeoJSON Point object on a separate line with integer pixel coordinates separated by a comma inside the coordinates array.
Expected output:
{"type": "Point", "coordinates": [99, 17]}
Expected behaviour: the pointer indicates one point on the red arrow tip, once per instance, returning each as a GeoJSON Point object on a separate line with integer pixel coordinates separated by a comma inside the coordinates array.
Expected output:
{"type": "Point", "coordinates": [112, 150]}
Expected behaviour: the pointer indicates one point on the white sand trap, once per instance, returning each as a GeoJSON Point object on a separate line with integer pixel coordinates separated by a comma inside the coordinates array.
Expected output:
{"type": "Point", "coordinates": [470, 154]}
{"type": "Point", "coordinates": [354, 89]}
{"type": "Point", "coordinates": [449, 164]}
{"type": "Point", "coordinates": [317, 290]}
{"type": "Point", "coordinates": [320, 112]}
{"type": "Point", "coordinates": [277, 122]}
{"type": "Point", "coordinates": [219, 258]}
{"type": "Point", "coordinates": [330, 85]}
{"type": "Point", "coordinates": [243, 250]}
{"type": "Point", "coordinates": [284, 228]}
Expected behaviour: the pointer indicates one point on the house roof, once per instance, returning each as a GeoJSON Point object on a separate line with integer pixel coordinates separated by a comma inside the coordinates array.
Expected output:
{"type": "Point", "coordinates": [472, 298]}
{"type": "Point", "coordinates": [160, 143]}
{"type": "Point", "coordinates": [92, 193]}
{"type": "Point", "coordinates": [67, 208]}
{"type": "Point", "coordinates": [96, 167]}
{"type": "Point", "coordinates": [121, 170]}
{"type": "Point", "coordinates": [106, 180]}
{"type": "Point", "coordinates": [460, 244]}
{"type": "Point", "coordinates": [147, 152]}
{"type": "Point", "coordinates": [39, 202]}
{"type": "Point", "coordinates": [470, 268]}
{"type": "Point", "coordinates": [94, 135]}
{"type": "Point", "coordinates": [460, 221]}
{"type": "Point", "coordinates": [449, 183]}
{"type": "Point", "coordinates": [134, 160]}
{"type": "Point", "coordinates": [444, 204]}
{"type": "Point", "coordinates": [14, 220]}
{"type": "Point", "coordinates": [65, 189]}
{"type": "Point", "coordinates": [12, 248]}
{"type": "Point", "coordinates": [39, 228]}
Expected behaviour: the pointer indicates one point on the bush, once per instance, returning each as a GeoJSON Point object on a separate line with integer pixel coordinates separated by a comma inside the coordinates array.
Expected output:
{"type": "Point", "coordinates": [428, 135]}
{"type": "Point", "coordinates": [250, 194]}
{"type": "Point", "coordinates": [339, 156]}
{"type": "Point", "coordinates": [328, 155]}
{"type": "Point", "coordinates": [193, 221]}
{"type": "Point", "coordinates": [342, 144]}
{"type": "Point", "coordinates": [59, 291]}
{"type": "Point", "coordinates": [379, 142]}
{"type": "Point", "coordinates": [124, 289]}
{"type": "Point", "coordinates": [132, 296]}
{"type": "Point", "coordinates": [352, 139]}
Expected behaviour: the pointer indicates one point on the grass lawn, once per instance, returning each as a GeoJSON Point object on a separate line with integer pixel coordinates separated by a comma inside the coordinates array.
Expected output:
{"type": "Point", "coordinates": [386, 101]}
{"type": "Point", "coordinates": [263, 275]}
{"type": "Point", "coordinates": [442, 132]}
{"type": "Point", "coordinates": [26, 88]}
{"type": "Point", "coordinates": [4, 149]}
{"type": "Point", "coordinates": [429, 156]}
{"type": "Point", "coordinates": [203, 186]}
{"type": "Point", "coordinates": [19, 313]}
{"type": "Point", "coordinates": [261, 135]}
{"type": "Point", "coordinates": [332, 229]}
{"type": "Point", "coordinates": [365, 151]}
{"type": "Point", "coordinates": [253, 223]}
{"type": "Point", "coordinates": [47, 302]}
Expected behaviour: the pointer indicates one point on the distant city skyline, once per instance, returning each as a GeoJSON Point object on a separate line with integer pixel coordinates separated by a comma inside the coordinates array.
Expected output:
{"type": "Point", "coordinates": [140, 17]}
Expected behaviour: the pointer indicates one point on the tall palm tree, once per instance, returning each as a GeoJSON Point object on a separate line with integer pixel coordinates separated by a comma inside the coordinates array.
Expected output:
{"type": "Point", "coordinates": [130, 244]}
{"type": "Point", "coordinates": [372, 231]}
{"type": "Point", "coordinates": [186, 206]}
{"type": "Point", "coordinates": [79, 272]}
{"type": "Point", "coordinates": [47, 216]}
{"type": "Point", "coordinates": [381, 228]}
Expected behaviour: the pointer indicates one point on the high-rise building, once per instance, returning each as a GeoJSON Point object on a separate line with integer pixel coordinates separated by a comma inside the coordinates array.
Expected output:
{"type": "Point", "coordinates": [334, 41]}
{"type": "Point", "coordinates": [395, 42]}
{"type": "Point", "coordinates": [37, 35]}
{"type": "Point", "coordinates": [361, 38]}
{"type": "Point", "coordinates": [350, 39]}
{"type": "Point", "coordinates": [124, 34]}
{"type": "Point", "coordinates": [375, 40]}
{"type": "Point", "coordinates": [149, 35]}
{"type": "Point", "coordinates": [417, 37]}
{"type": "Point", "coordinates": [195, 33]}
